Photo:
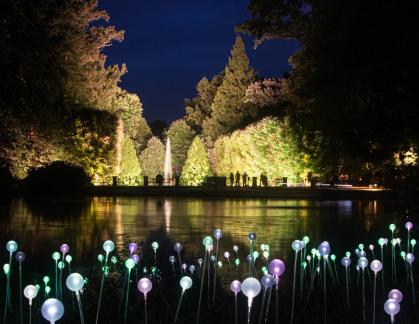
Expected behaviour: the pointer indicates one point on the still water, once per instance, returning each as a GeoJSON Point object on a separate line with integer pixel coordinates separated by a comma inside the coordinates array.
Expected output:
{"type": "Point", "coordinates": [40, 227]}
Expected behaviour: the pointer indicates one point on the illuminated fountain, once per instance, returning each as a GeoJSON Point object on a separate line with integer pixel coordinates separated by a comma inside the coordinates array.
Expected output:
{"type": "Point", "coordinates": [168, 164]}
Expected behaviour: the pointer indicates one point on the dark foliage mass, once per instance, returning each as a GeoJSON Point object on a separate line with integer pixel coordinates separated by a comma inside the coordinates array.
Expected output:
{"type": "Point", "coordinates": [55, 179]}
{"type": "Point", "coordinates": [352, 90]}
{"type": "Point", "coordinates": [58, 99]}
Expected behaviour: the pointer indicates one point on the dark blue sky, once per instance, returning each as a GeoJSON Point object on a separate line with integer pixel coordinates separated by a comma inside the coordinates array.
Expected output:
{"type": "Point", "coordinates": [171, 44]}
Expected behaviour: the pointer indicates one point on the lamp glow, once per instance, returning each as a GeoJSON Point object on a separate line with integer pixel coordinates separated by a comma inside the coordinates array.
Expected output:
{"type": "Point", "coordinates": [52, 310]}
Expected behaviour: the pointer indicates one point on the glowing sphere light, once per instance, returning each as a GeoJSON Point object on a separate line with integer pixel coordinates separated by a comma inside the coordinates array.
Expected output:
{"type": "Point", "coordinates": [11, 246]}
{"type": "Point", "coordinates": [218, 233]}
{"type": "Point", "coordinates": [20, 256]}
{"type": "Point", "coordinates": [108, 246]}
{"type": "Point", "coordinates": [145, 285]}
{"type": "Point", "coordinates": [276, 267]}
{"type": "Point", "coordinates": [30, 293]}
{"type": "Point", "coordinates": [396, 295]}
{"type": "Point", "coordinates": [376, 266]}
{"type": "Point", "coordinates": [52, 310]}
{"type": "Point", "coordinates": [186, 282]}
{"type": "Point", "coordinates": [391, 307]}
{"type": "Point", "coordinates": [235, 286]}
{"type": "Point", "coordinates": [75, 282]}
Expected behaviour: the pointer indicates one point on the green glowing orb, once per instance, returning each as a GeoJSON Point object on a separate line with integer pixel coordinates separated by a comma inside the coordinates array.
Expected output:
{"type": "Point", "coordinates": [237, 262]}
{"type": "Point", "coordinates": [129, 264]}
{"type": "Point", "coordinates": [392, 227]}
{"type": "Point", "coordinates": [207, 241]}
{"type": "Point", "coordinates": [56, 256]}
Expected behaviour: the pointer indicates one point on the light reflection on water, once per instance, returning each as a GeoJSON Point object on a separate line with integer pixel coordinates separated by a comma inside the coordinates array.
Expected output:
{"type": "Point", "coordinates": [41, 227]}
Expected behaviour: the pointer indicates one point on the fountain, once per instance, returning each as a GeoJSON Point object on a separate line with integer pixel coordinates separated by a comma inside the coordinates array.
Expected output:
{"type": "Point", "coordinates": [168, 164]}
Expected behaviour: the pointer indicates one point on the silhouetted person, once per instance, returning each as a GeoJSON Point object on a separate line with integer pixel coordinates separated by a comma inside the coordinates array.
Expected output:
{"type": "Point", "coordinates": [159, 179]}
{"type": "Point", "coordinates": [244, 179]}
{"type": "Point", "coordinates": [231, 179]}
{"type": "Point", "coordinates": [237, 179]}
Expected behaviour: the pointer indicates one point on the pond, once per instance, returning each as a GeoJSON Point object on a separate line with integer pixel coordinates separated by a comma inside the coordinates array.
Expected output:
{"type": "Point", "coordinates": [41, 226]}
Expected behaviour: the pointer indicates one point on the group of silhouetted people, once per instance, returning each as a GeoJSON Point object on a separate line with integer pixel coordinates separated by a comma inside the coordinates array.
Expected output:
{"type": "Point", "coordinates": [235, 179]}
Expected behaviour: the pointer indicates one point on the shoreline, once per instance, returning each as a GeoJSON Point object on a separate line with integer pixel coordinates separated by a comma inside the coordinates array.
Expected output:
{"type": "Point", "coordinates": [244, 192]}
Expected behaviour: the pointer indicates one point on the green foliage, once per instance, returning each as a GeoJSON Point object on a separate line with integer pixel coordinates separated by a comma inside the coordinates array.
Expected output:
{"type": "Point", "coordinates": [353, 86]}
{"type": "Point", "coordinates": [181, 137]}
{"type": "Point", "coordinates": [199, 108]}
{"type": "Point", "coordinates": [268, 146]}
{"type": "Point", "coordinates": [130, 171]}
{"type": "Point", "coordinates": [152, 158]}
{"type": "Point", "coordinates": [50, 97]}
{"type": "Point", "coordinates": [94, 145]}
{"type": "Point", "coordinates": [228, 110]}
{"type": "Point", "coordinates": [142, 136]}
{"type": "Point", "coordinates": [197, 166]}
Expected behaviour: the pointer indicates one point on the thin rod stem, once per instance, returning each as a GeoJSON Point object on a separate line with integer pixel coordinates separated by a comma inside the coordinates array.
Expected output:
{"type": "Point", "coordinates": [101, 287]}
{"type": "Point", "coordinates": [178, 306]}
{"type": "Point", "coordinates": [267, 305]}
{"type": "Point", "coordinates": [235, 308]}
{"type": "Point", "coordinates": [293, 286]}
{"type": "Point", "coordinates": [202, 284]}
{"type": "Point", "coordinates": [375, 288]}
{"type": "Point", "coordinates": [80, 307]}
{"type": "Point", "coordinates": [324, 291]}
{"type": "Point", "coordinates": [127, 296]}
{"type": "Point", "coordinates": [262, 306]}
{"type": "Point", "coordinates": [215, 273]}
{"type": "Point", "coordinates": [20, 292]}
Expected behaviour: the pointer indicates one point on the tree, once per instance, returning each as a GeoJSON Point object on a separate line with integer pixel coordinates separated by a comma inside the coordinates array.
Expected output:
{"type": "Point", "coordinates": [197, 166]}
{"type": "Point", "coordinates": [268, 146]}
{"type": "Point", "coordinates": [353, 88]}
{"type": "Point", "coordinates": [228, 110]}
{"type": "Point", "coordinates": [130, 170]}
{"type": "Point", "coordinates": [181, 137]}
{"type": "Point", "coordinates": [142, 136]}
{"type": "Point", "coordinates": [52, 99]}
{"type": "Point", "coordinates": [152, 158]}
{"type": "Point", "coordinates": [199, 108]}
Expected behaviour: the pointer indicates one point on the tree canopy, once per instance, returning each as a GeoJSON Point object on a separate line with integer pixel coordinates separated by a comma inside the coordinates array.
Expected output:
{"type": "Point", "coordinates": [228, 110]}
{"type": "Point", "coordinates": [352, 89]}
{"type": "Point", "coordinates": [181, 137]}
{"type": "Point", "coordinates": [197, 166]}
{"type": "Point", "coordinates": [58, 98]}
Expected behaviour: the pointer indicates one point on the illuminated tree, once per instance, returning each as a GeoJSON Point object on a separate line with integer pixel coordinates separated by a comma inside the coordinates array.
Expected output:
{"type": "Point", "coordinates": [53, 99]}
{"type": "Point", "coordinates": [197, 166]}
{"type": "Point", "coordinates": [152, 158]}
{"type": "Point", "coordinates": [199, 108]}
{"type": "Point", "coordinates": [130, 170]}
{"type": "Point", "coordinates": [268, 146]}
{"type": "Point", "coordinates": [228, 110]}
{"type": "Point", "coordinates": [181, 137]}
{"type": "Point", "coordinates": [353, 86]}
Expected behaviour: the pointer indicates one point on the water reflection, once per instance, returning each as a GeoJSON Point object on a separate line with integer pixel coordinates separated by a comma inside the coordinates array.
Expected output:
{"type": "Point", "coordinates": [84, 225]}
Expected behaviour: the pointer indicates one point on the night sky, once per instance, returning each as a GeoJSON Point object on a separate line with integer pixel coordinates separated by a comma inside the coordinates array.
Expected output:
{"type": "Point", "coordinates": [171, 44]}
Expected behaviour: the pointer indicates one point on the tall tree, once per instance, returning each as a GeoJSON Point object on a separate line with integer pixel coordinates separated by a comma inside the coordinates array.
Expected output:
{"type": "Point", "coordinates": [199, 108]}
{"type": "Point", "coordinates": [353, 86]}
{"type": "Point", "coordinates": [181, 137]}
{"type": "Point", "coordinates": [55, 86]}
{"type": "Point", "coordinates": [130, 170]}
{"type": "Point", "coordinates": [228, 110]}
{"type": "Point", "coordinates": [152, 158]}
{"type": "Point", "coordinates": [197, 166]}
